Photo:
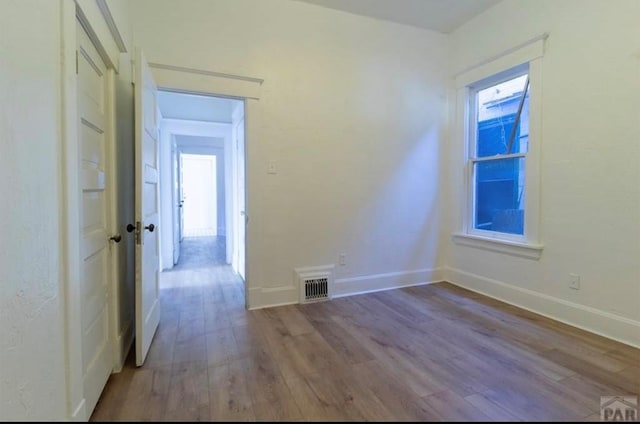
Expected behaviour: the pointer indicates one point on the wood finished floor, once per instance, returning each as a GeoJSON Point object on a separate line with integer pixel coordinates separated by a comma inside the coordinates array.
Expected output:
{"type": "Point", "coordinates": [428, 353]}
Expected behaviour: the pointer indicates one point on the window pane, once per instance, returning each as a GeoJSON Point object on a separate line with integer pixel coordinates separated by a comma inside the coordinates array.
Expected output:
{"type": "Point", "coordinates": [497, 108]}
{"type": "Point", "coordinates": [499, 195]}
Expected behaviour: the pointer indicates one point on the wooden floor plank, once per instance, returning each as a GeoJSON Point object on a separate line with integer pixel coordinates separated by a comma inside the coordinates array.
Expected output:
{"type": "Point", "coordinates": [271, 397]}
{"type": "Point", "coordinates": [193, 349]}
{"type": "Point", "coordinates": [229, 397]}
{"type": "Point", "coordinates": [621, 383]}
{"type": "Point", "coordinates": [318, 404]}
{"type": "Point", "coordinates": [188, 398]}
{"type": "Point", "coordinates": [632, 375]}
{"type": "Point", "coordinates": [342, 342]}
{"type": "Point", "coordinates": [115, 393]}
{"type": "Point", "coordinates": [403, 403]}
{"type": "Point", "coordinates": [493, 411]}
{"type": "Point", "coordinates": [221, 346]}
{"type": "Point", "coordinates": [626, 355]}
{"type": "Point", "coordinates": [451, 407]}
{"type": "Point", "coordinates": [295, 321]}
{"type": "Point", "coordinates": [420, 381]}
{"type": "Point", "coordinates": [524, 404]}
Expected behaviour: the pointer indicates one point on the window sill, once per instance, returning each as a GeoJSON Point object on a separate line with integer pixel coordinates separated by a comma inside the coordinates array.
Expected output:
{"type": "Point", "coordinates": [523, 250]}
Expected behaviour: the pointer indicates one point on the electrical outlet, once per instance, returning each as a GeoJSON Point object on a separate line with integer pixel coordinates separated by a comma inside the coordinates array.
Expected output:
{"type": "Point", "coordinates": [574, 281]}
{"type": "Point", "coordinates": [343, 258]}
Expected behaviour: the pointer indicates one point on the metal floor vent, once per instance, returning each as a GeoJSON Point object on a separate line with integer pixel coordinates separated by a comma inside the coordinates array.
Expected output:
{"type": "Point", "coordinates": [316, 288]}
{"type": "Point", "coordinates": [314, 283]}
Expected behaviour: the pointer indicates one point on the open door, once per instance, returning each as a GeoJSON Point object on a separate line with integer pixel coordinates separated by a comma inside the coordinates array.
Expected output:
{"type": "Point", "coordinates": [243, 218]}
{"type": "Point", "coordinates": [147, 199]}
{"type": "Point", "coordinates": [177, 204]}
{"type": "Point", "coordinates": [181, 193]}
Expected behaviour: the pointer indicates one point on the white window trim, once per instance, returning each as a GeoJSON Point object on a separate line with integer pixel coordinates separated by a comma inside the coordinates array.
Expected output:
{"type": "Point", "coordinates": [514, 248]}
{"type": "Point", "coordinates": [529, 244]}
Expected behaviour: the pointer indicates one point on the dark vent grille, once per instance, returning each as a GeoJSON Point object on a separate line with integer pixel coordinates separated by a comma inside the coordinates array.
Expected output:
{"type": "Point", "coordinates": [316, 289]}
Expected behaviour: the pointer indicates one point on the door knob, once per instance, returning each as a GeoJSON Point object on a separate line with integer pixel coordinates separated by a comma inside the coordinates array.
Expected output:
{"type": "Point", "coordinates": [116, 238]}
{"type": "Point", "coordinates": [150, 227]}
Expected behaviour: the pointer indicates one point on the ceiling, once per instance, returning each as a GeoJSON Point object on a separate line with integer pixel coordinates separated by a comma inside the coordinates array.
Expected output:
{"type": "Point", "coordinates": [199, 141]}
{"type": "Point", "coordinates": [438, 15]}
{"type": "Point", "coordinates": [195, 108]}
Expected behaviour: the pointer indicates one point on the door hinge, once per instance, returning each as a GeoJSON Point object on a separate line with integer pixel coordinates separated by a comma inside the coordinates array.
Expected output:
{"type": "Point", "coordinates": [138, 232]}
{"type": "Point", "coordinates": [76, 62]}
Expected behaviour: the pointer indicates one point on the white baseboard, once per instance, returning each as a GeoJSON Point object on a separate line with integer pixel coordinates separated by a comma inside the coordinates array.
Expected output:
{"type": "Point", "coordinates": [603, 323]}
{"type": "Point", "coordinates": [387, 281]}
{"type": "Point", "coordinates": [124, 341]}
{"type": "Point", "coordinates": [287, 295]}
{"type": "Point", "coordinates": [260, 297]}
{"type": "Point", "coordinates": [80, 412]}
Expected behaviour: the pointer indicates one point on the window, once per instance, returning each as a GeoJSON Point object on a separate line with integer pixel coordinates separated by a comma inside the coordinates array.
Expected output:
{"type": "Point", "coordinates": [499, 137]}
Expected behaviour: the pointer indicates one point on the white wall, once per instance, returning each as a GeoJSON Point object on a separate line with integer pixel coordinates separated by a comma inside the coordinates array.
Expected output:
{"type": "Point", "coordinates": [590, 211]}
{"type": "Point", "coordinates": [32, 370]}
{"type": "Point", "coordinates": [352, 111]}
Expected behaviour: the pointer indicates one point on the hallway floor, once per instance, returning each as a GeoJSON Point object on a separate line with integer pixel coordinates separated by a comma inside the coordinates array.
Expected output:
{"type": "Point", "coordinates": [202, 299]}
{"type": "Point", "coordinates": [198, 253]}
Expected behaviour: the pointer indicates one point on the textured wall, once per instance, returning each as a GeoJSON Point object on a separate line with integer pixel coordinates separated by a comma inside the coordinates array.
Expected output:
{"type": "Point", "coordinates": [32, 379]}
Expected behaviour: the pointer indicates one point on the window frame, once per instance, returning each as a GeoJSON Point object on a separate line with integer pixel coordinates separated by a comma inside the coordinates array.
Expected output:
{"type": "Point", "coordinates": [526, 58]}
{"type": "Point", "coordinates": [473, 159]}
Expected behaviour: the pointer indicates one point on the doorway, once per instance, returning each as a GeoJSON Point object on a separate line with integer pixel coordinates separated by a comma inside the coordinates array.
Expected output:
{"type": "Point", "coordinates": [203, 242]}
{"type": "Point", "coordinates": [199, 195]}
{"type": "Point", "coordinates": [202, 188]}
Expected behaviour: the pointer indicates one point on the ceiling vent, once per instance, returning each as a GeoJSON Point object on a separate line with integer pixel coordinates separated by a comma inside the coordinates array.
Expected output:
{"type": "Point", "coordinates": [314, 283]}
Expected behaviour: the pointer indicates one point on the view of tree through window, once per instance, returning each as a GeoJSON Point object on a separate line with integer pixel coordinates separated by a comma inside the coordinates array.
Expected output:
{"type": "Point", "coordinates": [501, 143]}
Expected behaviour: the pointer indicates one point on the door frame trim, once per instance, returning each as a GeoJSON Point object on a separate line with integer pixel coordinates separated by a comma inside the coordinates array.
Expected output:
{"type": "Point", "coordinates": [248, 90]}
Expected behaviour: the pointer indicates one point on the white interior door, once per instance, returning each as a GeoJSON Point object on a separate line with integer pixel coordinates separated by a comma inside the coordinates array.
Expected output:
{"type": "Point", "coordinates": [177, 204]}
{"type": "Point", "coordinates": [181, 190]}
{"type": "Point", "coordinates": [243, 218]}
{"type": "Point", "coordinates": [97, 361]}
{"type": "Point", "coordinates": [147, 205]}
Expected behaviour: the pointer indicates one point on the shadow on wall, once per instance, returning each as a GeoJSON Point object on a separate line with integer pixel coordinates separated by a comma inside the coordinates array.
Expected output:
{"type": "Point", "coordinates": [400, 222]}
